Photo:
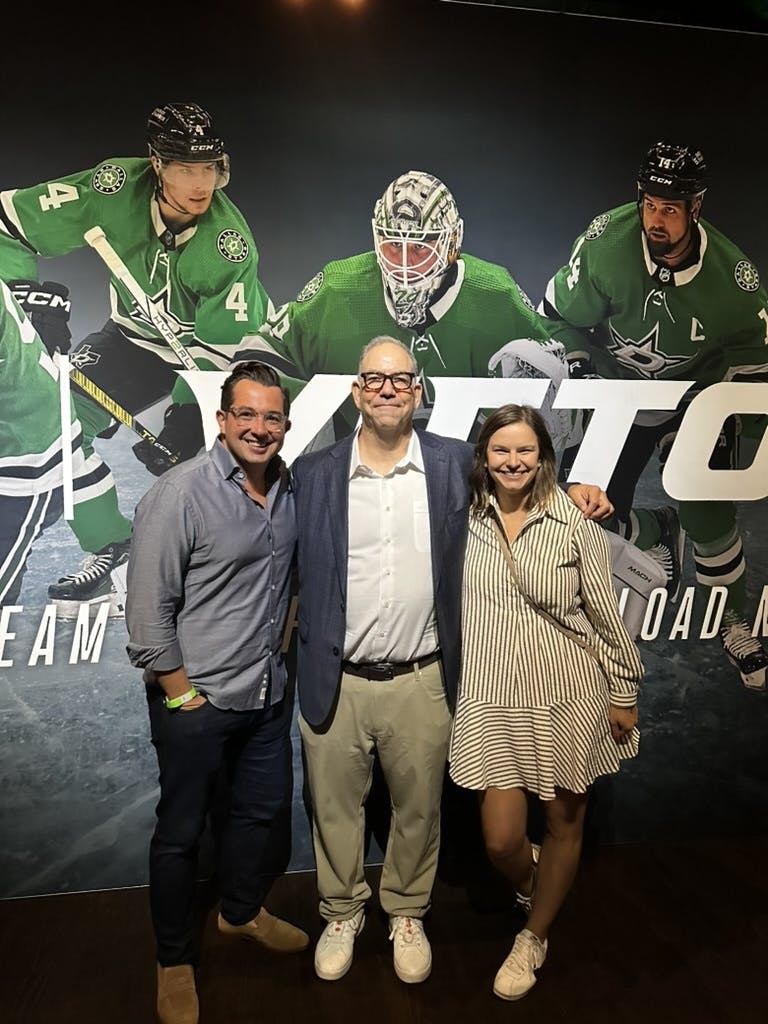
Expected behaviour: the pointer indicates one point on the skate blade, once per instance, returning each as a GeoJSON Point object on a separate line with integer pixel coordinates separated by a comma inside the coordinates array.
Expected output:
{"type": "Point", "coordinates": [66, 610]}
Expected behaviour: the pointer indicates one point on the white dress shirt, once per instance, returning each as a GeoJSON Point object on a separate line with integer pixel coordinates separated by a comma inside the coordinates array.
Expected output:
{"type": "Point", "coordinates": [390, 599]}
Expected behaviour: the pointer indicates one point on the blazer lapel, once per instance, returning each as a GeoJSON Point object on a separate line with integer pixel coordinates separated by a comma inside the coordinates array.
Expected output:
{"type": "Point", "coordinates": [338, 503]}
{"type": "Point", "coordinates": [436, 472]}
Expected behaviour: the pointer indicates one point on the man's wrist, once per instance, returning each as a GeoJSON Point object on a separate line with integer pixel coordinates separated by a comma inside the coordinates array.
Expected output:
{"type": "Point", "coordinates": [176, 702]}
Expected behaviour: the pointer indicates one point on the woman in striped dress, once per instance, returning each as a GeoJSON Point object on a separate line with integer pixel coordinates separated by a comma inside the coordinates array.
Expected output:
{"type": "Point", "coordinates": [548, 695]}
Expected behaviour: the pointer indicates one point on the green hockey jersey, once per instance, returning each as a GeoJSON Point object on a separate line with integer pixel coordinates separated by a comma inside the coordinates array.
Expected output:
{"type": "Point", "coordinates": [30, 425]}
{"type": "Point", "coordinates": [203, 281]}
{"type": "Point", "coordinates": [344, 306]}
{"type": "Point", "coordinates": [637, 318]}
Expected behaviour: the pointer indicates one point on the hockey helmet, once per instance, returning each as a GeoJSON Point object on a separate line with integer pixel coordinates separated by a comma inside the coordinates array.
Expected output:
{"type": "Point", "coordinates": [673, 172]}
{"type": "Point", "coordinates": [185, 132]}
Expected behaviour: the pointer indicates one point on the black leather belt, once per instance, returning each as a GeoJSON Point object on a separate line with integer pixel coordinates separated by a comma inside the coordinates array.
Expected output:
{"type": "Point", "coordinates": [380, 671]}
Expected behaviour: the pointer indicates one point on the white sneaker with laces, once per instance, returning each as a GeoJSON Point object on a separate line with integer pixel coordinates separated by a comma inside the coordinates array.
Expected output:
{"type": "Point", "coordinates": [412, 953]}
{"type": "Point", "coordinates": [515, 976]}
{"type": "Point", "coordinates": [334, 949]}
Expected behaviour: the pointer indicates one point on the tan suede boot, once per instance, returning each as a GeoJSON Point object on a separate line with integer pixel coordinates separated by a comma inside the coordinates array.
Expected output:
{"type": "Point", "coordinates": [270, 932]}
{"type": "Point", "coordinates": [177, 995]}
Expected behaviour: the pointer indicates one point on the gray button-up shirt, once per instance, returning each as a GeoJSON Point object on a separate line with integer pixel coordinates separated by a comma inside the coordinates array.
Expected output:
{"type": "Point", "coordinates": [209, 581]}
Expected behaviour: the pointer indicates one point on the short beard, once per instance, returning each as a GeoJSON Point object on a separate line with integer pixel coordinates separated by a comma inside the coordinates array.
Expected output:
{"type": "Point", "coordinates": [659, 250]}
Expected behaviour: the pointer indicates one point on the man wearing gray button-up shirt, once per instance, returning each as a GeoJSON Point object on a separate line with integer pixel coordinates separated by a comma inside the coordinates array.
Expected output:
{"type": "Point", "coordinates": [208, 592]}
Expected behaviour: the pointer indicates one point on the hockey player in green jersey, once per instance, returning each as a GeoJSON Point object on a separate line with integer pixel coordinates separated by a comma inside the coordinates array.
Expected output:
{"type": "Point", "coordinates": [31, 476]}
{"type": "Point", "coordinates": [183, 291]}
{"type": "Point", "coordinates": [665, 296]}
{"type": "Point", "coordinates": [460, 316]}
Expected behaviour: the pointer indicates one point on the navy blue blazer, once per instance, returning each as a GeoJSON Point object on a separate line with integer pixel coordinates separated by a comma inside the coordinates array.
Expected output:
{"type": "Point", "coordinates": [321, 485]}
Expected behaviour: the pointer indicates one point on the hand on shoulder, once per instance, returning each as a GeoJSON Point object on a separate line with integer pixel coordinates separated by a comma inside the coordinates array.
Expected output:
{"type": "Point", "coordinates": [591, 501]}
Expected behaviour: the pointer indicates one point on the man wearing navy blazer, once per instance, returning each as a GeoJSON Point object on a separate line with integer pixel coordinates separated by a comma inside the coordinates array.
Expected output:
{"type": "Point", "coordinates": [382, 520]}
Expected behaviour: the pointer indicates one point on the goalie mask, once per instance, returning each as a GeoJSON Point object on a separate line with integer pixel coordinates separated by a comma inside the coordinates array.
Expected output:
{"type": "Point", "coordinates": [184, 132]}
{"type": "Point", "coordinates": [417, 234]}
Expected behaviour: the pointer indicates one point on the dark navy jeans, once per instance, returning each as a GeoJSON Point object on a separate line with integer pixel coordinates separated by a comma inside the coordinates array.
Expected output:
{"type": "Point", "coordinates": [253, 749]}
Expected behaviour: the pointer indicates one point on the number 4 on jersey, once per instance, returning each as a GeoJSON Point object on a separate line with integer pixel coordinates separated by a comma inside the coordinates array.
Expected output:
{"type": "Point", "coordinates": [236, 301]}
{"type": "Point", "coordinates": [57, 195]}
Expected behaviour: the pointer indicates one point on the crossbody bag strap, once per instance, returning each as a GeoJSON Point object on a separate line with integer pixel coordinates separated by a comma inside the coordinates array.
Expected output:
{"type": "Point", "coordinates": [529, 600]}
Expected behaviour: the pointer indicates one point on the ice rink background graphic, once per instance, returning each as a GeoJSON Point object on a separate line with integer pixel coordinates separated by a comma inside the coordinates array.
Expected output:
{"type": "Point", "coordinates": [536, 123]}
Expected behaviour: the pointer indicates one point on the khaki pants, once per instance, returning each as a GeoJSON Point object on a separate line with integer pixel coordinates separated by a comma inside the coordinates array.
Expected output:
{"type": "Point", "coordinates": [407, 721]}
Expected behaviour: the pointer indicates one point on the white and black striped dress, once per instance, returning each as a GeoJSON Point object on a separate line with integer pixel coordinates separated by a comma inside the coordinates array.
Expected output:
{"type": "Point", "coordinates": [533, 704]}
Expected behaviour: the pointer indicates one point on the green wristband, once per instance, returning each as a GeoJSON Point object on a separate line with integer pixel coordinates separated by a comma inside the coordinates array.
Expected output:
{"type": "Point", "coordinates": [175, 702]}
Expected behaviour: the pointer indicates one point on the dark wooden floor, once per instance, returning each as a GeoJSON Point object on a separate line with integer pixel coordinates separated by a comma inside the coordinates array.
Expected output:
{"type": "Point", "coordinates": [672, 932]}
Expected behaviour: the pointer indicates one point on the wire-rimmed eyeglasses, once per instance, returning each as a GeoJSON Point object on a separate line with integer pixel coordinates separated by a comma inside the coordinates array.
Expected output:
{"type": "Point", "coordinates": [245, 417]}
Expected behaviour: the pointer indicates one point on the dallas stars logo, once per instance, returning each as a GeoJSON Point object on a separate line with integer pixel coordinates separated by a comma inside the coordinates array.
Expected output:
{"type": "Point", "coordinates": [311, 288]}
{"type": "Point", "coordinates": [746, 276]}
{"type": "Point", "coordinates": [108, 179]}
{"type": "Point", "coordinates": [232, 246]}
{"type": "Point", "coordinates": [597, 226]}
{"type": "Point", "coordinates": [157, 307]}
{"type": "Point", "coordinates": [643, 357]}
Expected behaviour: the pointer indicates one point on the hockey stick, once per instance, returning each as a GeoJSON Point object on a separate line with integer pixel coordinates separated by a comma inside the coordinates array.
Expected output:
{"type": "Point", "coordinates": [119, 413]}
{"type": "Point", "coordinates": [96, 238]}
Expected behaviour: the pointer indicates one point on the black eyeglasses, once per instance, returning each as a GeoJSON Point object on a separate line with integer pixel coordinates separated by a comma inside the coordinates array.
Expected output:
{"type": "Point", "coordinates": [373, 381]}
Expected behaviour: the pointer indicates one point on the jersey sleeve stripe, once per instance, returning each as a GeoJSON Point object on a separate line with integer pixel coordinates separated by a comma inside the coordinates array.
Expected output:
{"type": "Point", "coordinates": [9, 221]}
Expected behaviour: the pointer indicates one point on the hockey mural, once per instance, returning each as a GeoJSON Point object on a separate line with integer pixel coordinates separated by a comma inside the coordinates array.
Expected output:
{"type": "Point", "coordinates": [127, 291]}
{"type": "Point", "coordinates": [183, 278]}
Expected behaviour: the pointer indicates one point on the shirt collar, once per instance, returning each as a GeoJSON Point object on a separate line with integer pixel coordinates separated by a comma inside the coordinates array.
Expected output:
{"type": "Point", "coordinates": [440, 307]}
{"type": "Point", "coordinates": [555, 509]}
{"type": "Point", "coordinates": [164, 233]}
{"type": "Point", "coordinates": [413, 459]}
{"type": "Point", "coordinates": [229, 468]}
{"type": "Point", "coordinates": [668, 275]}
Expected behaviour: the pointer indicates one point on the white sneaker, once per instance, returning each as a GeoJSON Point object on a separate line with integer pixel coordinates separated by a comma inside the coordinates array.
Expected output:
{"type": "Point", "coordinates": [526, 902]}
{"type": "Point", "coordinates": [515, 977]}
{"type": "Point", "coordinates": [411, 952]}
{"type": "Point", "coordinates": [334, 949]}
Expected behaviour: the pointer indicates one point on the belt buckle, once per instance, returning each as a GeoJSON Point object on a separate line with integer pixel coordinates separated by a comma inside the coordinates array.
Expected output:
{"type": "Point", "coordinates": [381, 672]}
